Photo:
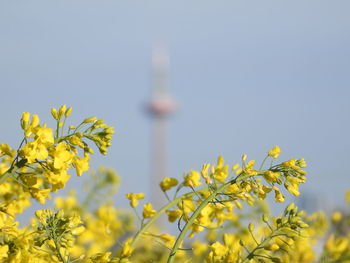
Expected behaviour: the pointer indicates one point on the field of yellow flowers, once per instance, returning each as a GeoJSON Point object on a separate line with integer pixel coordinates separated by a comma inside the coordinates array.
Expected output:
{"type": "Point", "coordinates": [219, 210]}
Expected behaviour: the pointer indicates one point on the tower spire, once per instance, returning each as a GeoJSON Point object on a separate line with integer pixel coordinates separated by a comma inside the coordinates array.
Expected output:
{"type": "Point", "coordinates": [160, 107]}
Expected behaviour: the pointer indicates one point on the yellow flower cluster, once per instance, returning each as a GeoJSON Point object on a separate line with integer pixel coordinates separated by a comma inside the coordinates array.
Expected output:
{"type": "Point", "coordinates": [41, 164]}
{"type": "Point", "coordinates": [209, 201]}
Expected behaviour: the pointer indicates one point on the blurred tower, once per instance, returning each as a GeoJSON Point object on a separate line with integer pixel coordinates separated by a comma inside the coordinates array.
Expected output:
{"type": "Point", "coordinates": [160, 107]}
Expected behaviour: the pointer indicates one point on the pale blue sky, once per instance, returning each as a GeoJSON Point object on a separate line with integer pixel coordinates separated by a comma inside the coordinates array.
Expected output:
{"type": "Point", "coordinates": [247, 74]}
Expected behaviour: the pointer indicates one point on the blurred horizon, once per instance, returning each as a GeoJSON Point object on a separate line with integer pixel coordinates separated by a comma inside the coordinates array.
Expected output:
{"type": "Point", "coordinates": [246, 76]}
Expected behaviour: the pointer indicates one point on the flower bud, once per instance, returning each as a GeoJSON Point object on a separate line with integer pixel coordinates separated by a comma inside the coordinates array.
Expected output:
{"type": "Point", "coordinates": [91, 119]}
{"type": "Point", "coordinates": [25, 116]}
{"type": "Point", "coordinates": [25, 120]}
{"type": "Point", "coordinates": [60, 214]}
{"type": "Point", "coordinates": [289, 208]}
{"type": "Point", "coordinates": [99, 122]}
{"type": "Point", "coordinates": [62, 111]}
{"type": "Point", "coordinates": [35, 120]}
{"type": "Point", "coordinates": [54, 113]}
{"type": "Point", "coordinates": [68, 112]}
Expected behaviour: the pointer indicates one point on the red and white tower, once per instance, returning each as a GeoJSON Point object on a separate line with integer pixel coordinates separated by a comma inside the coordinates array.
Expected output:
{"type": "Point", "coordinates": [160, 107]}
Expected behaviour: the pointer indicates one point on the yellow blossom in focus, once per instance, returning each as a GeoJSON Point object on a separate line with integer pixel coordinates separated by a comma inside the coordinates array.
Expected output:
{"type": "Point", "coordinates": [44, 136]}
{"type": "Point", "coordinates": [62, 156]}
{"type": "Point", "coordinates": [81, 164]}
{"type": "Point", "coordinates": [57, 178]}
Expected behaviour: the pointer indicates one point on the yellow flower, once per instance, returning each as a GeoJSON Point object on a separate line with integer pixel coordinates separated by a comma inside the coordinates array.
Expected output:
{"type": "Point", "coordinates": [221, 170]}
{"type": "Point", "coordinates": [101, 257]}
{"type": "Point", "coordinates": [173, 214]}
{"type": "Point", "coordinates": [169, 240]}
{"type": "Point", "coordinates": [134, 198]}
{"type": "Point", "coordinates": [5, 149]}
{"type": "Point", "coordinates": [272, 247]}
{"type": "Point", "coordinates": [278, 195]}
{"type": "Point", "coordinates": [271, 176]}
{"type": "Point", "coordinates": [54, 113]}
{"type": "Point", "coordinates": [69, 202]}
{"type": "Point", "coordinates": [290, 163]}
{"type": "Point", "coordinates": [218, 249]}
{"type": "Point", "coordinates": [168, 183]}
{"type": "Point", "coordinates": [127, 249]}
{"type": "Point", "coordinates": [37, 149]}
{"type": "Point", "coordinates": [81, 164]}
{"type": "Point", "coordinates": [293, 189]}
{"type": "Point", "coordinates": [337, 216]}
{"type": "Point", "coordinates": [199, 248]}
{"type": "Point", "coordinates": [40, 194]}
{"type": "Point", "coordinates": [75, 140]}
{"type": "Point", "coordinates": [7, 225]}
{"type": "Point", "coordinates": [192, 179]}
{"type": "Point", "coordinates": [347, 196]}
{"type": "Point", "coordinates": [61, 155]}
{"type": "Point", "coordinates": [62, 111]}
{"type": "Point", "coordinates": [249, 168]}
{"type": "Point", "coordinates": [3, 251]}
{"type": "Point", "coordinates": [204, 173]}
{"type": "Point", "coordinates": [336, 245]}
{"type": "Point", "coordinates": [148, 210]}
{"type": "Point", "coordinates": [44, 136]}
{"type": "Point", "coordinates": [32, 151]}
{"type": "Point", "coordinates": [274, 152]}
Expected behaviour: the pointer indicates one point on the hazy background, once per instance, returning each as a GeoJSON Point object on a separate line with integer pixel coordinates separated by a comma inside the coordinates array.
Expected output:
{"type": "Point", "coordinates": [247, 75]}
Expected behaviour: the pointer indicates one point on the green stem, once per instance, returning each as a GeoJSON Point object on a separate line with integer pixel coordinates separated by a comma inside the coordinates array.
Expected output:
{"type": "Point", "coordinates": [59, 252]}
{"type": "Point", "coordinates": [64, 122]}
{"type": "Point", "coordinates": [11, 172]}
{"type": "Point", "coordinates": [262, 164]}
{"type": "Point", "coordinates": [263, 244]}
{"type": "Point", "coordinates": [190, 221]}
{"type": "Point", "coordinates": [57, 128]}
{"type": "Point", "coordinates": [159, 213]}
